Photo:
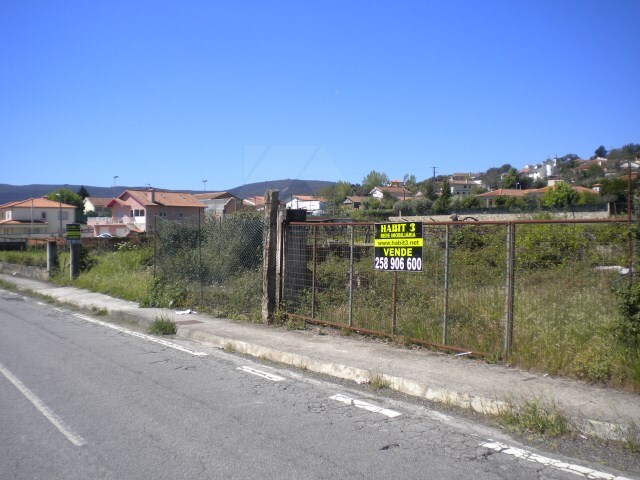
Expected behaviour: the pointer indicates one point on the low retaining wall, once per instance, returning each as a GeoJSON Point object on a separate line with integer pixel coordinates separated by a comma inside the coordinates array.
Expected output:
{"type": "Point", "coordinates": [500, 217]}
{"type": "Point", "coordinates": [25, 271]}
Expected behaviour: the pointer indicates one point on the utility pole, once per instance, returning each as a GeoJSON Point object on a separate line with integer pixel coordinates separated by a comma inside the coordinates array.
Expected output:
{"type": "Point", "coordinates": [60, 210]}
{"type": "Point", "coordinates": [434, 173]}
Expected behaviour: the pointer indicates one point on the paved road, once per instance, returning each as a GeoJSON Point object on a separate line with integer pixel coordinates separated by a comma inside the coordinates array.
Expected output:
{"type": "Point", "coordinates": [81, 400]}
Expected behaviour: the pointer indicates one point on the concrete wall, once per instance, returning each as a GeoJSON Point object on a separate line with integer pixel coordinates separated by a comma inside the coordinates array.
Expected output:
{"type": "Point", "coordinates": [37, 273]}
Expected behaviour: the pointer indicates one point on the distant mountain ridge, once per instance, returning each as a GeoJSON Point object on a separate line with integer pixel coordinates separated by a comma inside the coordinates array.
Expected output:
{"type": "Point", "coordinates": [287, 187]}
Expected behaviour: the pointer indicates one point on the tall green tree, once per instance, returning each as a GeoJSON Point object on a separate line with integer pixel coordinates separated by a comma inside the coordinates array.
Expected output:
{"type": "Point", "coordinates": [83, 192]}
{"type": "Point", "coordinates": [410, 183]}
{"type": "Point", "coordinates": [428, 188]}
{"type": "Point", "coordinates": [601, 152]}
{"type": "Point", "coordinates": [510, 180]}
{"type": "Point", "coordinates": [64, 195]}
{"type": "Point", "coordinates": [336, 194]}
{"type": "Point", "coordinates": [374, 179]}
{"type": "Point", "coordinates": [491, 177]}
{"type": "Point", "coordinates": [560, 195]}
{"type": "Point", "coordinates": [443, 202]}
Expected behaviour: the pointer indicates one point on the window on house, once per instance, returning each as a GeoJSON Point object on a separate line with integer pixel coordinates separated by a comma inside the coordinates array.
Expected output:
{"type": "Point", "coordinates": [7, 215]}
{"type": "Point", "coordinates": [63, 215]}
{"type": "Point", "coordinates": [43, 215]}
{"type": "Point", "coordinates": [162, 214]}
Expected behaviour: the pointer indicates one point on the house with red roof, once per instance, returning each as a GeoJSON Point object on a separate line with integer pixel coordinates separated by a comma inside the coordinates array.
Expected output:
{"type": "Point", "coordinates": [256, 202]}
{"type": "Point", "coordinates": [138, 211]}
{"type": "Point", "coordinates": [220, 204]}
{"type": "Point", "coordinates": [36, 216]}
{"type": "Point", "coordinates": [399, 193]}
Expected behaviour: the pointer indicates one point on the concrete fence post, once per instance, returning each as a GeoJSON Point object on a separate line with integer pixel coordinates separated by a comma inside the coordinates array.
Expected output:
{"type": "Point", "coordinates": [74, 260]}
{"type": "Point", "coordinates": [270, 244]}
{"type": "Point", "coordinates": [52, 257]}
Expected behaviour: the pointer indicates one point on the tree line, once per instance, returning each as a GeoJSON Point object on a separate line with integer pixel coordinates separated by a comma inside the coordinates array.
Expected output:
{"type": "Point", "coordinates": [435, 195]}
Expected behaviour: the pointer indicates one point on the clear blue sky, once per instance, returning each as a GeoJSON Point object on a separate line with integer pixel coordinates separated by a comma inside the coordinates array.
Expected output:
{"type": "Point", "coordinates": [169, 93]}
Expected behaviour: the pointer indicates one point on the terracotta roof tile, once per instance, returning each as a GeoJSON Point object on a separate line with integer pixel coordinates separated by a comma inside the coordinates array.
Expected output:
{"type": "Point", "coordinates": [39, 202]}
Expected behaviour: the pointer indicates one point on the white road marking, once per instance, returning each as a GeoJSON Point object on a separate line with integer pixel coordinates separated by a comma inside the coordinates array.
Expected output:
{"type": "Point", "coordinates": [365, 405]}
{"type": "Point", "coordinates": [260, 373]}
{"type": "Point", "coordinates": [73, 437]}
{"type": "Point", "coordinates": [144, 336]}
{"type": "Point", "coordinates": [550, 462]}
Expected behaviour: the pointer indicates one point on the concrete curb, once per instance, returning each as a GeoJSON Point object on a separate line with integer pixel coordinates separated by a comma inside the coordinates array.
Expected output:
{"type": "Point", "coordinates": [482, 405]}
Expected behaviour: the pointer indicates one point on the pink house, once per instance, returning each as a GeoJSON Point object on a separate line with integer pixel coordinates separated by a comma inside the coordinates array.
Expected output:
{"type": "Point", "coordinates": [135, 211]}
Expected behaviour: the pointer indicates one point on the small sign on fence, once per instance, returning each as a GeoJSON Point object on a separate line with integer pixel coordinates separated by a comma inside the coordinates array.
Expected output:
{"type": "Point", "coordinates": [398, 247]}
{"type": "Point", "coordinates": [73, 233]}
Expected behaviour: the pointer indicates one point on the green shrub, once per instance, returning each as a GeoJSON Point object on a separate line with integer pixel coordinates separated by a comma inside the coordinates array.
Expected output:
{"type": "Point", "coordinates": [628, 328]}
{"type": "Point", "coordinates": [168, 293]}
{"type": "Point", "coordinates": [162, 326]}
{"type": "Point", "coordinates": [536, 418]}
{"type": "Point", "coordinates": [594, 364]}
{"type": "Point", "coordinates": [550, 245]}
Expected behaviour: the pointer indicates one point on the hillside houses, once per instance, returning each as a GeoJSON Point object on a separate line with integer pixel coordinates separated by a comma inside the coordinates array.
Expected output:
{"type": "Point", "coordinates": [540, 171]}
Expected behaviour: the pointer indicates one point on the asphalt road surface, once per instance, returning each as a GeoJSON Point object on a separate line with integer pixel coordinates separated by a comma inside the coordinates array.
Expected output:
{"type": "Point", "coordinates": [82, 400]}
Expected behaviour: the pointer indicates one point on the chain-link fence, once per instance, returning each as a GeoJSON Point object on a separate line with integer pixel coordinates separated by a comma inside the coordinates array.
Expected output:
{"type": "Point", "coordinates": [210, 262]}
{"type": "Point", "coordinates": [520, 287]}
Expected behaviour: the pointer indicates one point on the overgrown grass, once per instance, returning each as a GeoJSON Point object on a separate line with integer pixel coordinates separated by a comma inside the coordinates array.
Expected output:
{"type": "Point", "coordinates": [534, 417]}
{"type": "Point", "coordinates": [378, 382]}
{"type": "Point", "coordinates": [35, 258]}
{"type": "Point", "coordinates": [126, 273]}
{"type": "Point", "coordinates": [162, 326]}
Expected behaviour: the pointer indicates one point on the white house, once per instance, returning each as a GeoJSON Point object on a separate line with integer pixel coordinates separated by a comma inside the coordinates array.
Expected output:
{"type": "Point", "coordinates": [36, 216]}
{"type": "Point", "coordinates": [313, 205]}
{"type": "Point", "coordinates": [399, 193]}
{"type": "Point", "coordinates": [541, 171]}
{"type": "Point", "coordinates": [98, 206]}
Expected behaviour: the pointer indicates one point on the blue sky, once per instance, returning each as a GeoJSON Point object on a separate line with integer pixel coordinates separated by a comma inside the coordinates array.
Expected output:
{"type": "Point", "coordinates": [170, 93]}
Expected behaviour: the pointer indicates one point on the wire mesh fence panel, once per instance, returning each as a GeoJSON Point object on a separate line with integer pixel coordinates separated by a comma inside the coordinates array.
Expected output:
{"type": "Point", "coordinates": [476, 287]}
{"type": "Point", "coordinates": [371, 296]}
{"type": "Point", "coordinates": [297, 287]}
{"type": "Point", "coordinates": [565, 307]}
{"type": "Point", "coordinates": [558, 295]}
{"type": "Point", "coordinates": [420, 300]}
{"type": "Point", "coordinates": [210, 262]}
